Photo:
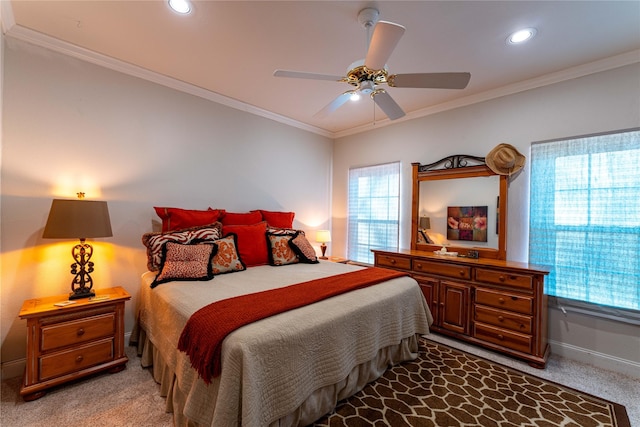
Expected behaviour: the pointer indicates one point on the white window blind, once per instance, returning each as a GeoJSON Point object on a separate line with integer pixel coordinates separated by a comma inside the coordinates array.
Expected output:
{"type": "Point", "coordinates": [374, 210]}
{"type": "Point", "coordinates": [585, 219]}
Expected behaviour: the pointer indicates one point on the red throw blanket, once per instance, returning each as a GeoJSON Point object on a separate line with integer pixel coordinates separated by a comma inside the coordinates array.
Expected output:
{"type": "Point", "coordinates": [204, 332]}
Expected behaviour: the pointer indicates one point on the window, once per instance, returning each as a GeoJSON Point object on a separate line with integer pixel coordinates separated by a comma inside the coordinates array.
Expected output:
{"type": "Point", "coordinates": [585, 219]}
{"type": "Point", "coordinates": [374, 207]}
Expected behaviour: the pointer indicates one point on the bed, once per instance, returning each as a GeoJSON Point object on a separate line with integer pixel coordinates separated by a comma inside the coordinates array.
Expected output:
{"type": "Point", "coordinates": [288, 369]}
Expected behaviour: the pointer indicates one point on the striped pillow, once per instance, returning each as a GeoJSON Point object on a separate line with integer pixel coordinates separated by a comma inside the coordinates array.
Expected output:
{"type": "Point", "coordinates": [155, 241]}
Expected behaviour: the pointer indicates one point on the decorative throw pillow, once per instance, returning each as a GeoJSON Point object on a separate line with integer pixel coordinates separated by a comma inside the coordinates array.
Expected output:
{"type": "Point", "coordinates": [278, 219]}
{"type": "Point", "coordinates": [184, 262]}
{"type": "Point", "coordinates": [301, 246]}
{"type": "Point", "coordinates": [226, 258]}
{"type": "Point", "coordinates": [155, 241]}
{"type": "Point", "coordinates": [178, 219]}
{"type": "Point", "coordinates": [280, 253]}
{"type": "Point", "coordinates": [252, 246]}
{"type": "Point", "coordinates": [241, 218]}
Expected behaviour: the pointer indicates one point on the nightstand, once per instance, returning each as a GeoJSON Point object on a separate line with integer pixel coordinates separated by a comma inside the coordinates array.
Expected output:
{"type": "Point", "coordinates": [70, 342]}
{"type": "Point", "coordinates": [337, 259]}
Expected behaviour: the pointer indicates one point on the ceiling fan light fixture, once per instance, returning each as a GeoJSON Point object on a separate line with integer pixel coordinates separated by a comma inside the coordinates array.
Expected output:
{"type": "Point", "coordinates": [181, 6]}
{"type": "Point", "coordinates": [355, 96]}
{"type": "Point", "coordinates": [522, 36]}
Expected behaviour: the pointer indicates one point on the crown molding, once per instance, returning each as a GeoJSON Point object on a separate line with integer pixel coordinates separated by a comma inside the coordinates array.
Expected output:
{"type": "Point", "coordinates": [39, 39]}
{"type": "Point", "coordinates": [33, 37]}
{"type": "Point", "coordinates": [605, 64]}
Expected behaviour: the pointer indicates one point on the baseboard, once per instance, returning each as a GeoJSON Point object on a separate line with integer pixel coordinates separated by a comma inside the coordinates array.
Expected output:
{"type": "Point", "coordinates": [12, 369]}
{"type": "Point", "coordinates": [15, 368]}
{"type": "Point", "coordinates": [597, 359]}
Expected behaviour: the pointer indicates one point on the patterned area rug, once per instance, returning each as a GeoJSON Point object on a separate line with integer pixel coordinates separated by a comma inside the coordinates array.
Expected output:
{"type": "Point", "coordinates": [447, 387]}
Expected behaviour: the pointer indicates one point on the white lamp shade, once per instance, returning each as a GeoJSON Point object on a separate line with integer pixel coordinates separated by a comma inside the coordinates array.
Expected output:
{"type": "Point", "coordinates": [323, 236]}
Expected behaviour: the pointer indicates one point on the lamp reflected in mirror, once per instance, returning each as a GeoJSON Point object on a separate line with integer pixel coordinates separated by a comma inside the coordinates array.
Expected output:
{"type": "Point", "coordinates": [424, 224]}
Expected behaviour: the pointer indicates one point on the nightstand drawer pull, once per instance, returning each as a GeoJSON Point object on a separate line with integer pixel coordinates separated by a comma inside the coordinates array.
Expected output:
{"type": "Point", "coordinates": [80, 332]}
{"type": "Point", "coordinates": [79, 359]}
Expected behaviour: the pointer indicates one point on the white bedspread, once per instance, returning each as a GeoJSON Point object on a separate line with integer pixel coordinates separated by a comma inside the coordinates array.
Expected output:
{"type": "Point", "coordinates": [271, 366]}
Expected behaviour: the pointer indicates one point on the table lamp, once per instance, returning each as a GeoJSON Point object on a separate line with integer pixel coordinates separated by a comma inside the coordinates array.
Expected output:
{"type": "Point", "coordinates": [79, 219]}
{"type": "Point", "coordinates": [322, 237]}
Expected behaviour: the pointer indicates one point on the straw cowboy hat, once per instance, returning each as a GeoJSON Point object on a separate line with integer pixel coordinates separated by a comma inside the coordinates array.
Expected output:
{"type": "Point", "coordinates": [505, 159]}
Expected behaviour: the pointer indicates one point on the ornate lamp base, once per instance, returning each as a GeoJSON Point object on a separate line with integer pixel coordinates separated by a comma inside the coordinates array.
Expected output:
{"type": "Point", "coordinates": [82, 282]}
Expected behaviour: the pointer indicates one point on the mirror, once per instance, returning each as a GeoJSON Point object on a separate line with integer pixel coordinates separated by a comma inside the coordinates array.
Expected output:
{"type": "Point", "coordinates": [466, 205]}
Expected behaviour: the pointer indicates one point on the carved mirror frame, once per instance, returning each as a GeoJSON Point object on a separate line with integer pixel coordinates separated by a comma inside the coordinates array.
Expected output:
{"type": "Point", "coordinates": [456, 167]}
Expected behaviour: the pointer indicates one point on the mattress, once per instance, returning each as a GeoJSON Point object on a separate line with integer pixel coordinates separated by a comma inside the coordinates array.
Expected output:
{"type": "Point", "coordinates": [288, 369]}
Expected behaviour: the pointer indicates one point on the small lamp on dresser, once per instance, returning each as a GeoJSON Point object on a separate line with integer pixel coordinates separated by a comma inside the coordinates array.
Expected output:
{"type": "Point", "coordinates": [79, 219]}
{"type": "Point", "coordinates": [322, 237]}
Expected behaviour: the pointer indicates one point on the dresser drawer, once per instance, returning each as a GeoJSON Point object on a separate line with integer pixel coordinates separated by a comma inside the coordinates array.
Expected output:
{"type": "Point", "coordinates": [72, 332]}
{"type": "Point", "coordinates": [504, 278]}
{"type": "Point", "coordinates": [442, 269]}
{"type": "Point", "coordinates": [504, 300]}
{"type": "Point", "coordinates": [503, 319]}
{"type": "Point", "coordinates": [75, 359]}
{"type": "Point", "coordinates": [503, 337]}
{"type": "Point", "coordinates": [393, 261]}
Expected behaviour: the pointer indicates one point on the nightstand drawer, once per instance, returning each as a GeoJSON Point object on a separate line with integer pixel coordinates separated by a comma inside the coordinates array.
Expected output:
{"type": "Point", "coordinates": [449, 270]}
{"type": "Point", "coordinates": [503, 319]}
{"type": "Point", "coordinates": [394, 261]}
{"type": "Point", "coordinates": [512, 340]}
{"type": "Point", "coordinates": [77, 331]}
{"type": "Point", "coordinates": [519, 303]}
{"type": "Point", "coordinates": [504, 278]}
{"type": "Point", "coordinates": [75, 359]}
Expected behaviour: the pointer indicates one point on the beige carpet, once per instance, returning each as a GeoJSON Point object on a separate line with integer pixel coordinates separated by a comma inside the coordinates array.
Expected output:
{"type": "Point", "coordinates": [131, 397]}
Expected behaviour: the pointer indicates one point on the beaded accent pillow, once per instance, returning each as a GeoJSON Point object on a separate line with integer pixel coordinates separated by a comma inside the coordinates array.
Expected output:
{"type": "Point", "coordinates": [184, 262]}
{"type": "Point", "coordinates": [301, 246]}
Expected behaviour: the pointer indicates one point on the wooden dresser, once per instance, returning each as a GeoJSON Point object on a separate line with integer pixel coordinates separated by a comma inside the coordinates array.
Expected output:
{"type": "Point", "coordinates": [66, 343]}
{"type": "Point", "coordinates": [500, 305]}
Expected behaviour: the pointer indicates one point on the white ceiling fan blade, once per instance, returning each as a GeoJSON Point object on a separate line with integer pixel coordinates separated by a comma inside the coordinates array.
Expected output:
{"type": "Point", "coordinates": [430, 80]}
{"type": "Point", "coordinates": [305, 75]}
{"type": "Point", "coordinates": [334, 105]}
{"type": "Point", "coordinates": [386, 36]}
{"type": "Point", "coordinates": [388, 105]}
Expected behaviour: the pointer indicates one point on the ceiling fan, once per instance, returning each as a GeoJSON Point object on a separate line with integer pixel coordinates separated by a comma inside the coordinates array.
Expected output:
{"type": "Point", "coordinates": [367, 75]}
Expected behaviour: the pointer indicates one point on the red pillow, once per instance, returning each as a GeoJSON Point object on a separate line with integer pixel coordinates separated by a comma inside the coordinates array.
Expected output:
{"type": "Point", "coordinates": [177, 219]}
{"type": "Point", "coordinates": [252, 243]}
{"type": "Point", "coordinates": [278, 219]}
{"type": "Point", "coordinates": [244, 218]}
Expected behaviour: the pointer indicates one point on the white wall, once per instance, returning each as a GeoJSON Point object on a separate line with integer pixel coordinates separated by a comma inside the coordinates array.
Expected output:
{"type": "Point", "coordinates": [595, 103]}
{"type": "Point", "coordinates": [72, 126]}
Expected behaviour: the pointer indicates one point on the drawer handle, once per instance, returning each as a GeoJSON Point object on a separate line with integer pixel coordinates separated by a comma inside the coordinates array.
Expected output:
{"type": "Point", "coordinates": [79, 359]}
{"type": "Point", "coordinates": [461, 272]}
{"type": "Point", "coordinates": [501, 318]}
{"type": "Point", "coordinates": [500, 337]}
{"type": "Point", "coordinates": [80, 332]}
{"type": "Point", "coordinates": [392, 261]}
{"type": "Point", "coordinates": [501, 300]}
{"type": "Point", "coordinates": [419, 266]}
{"type": "Point", "coordinates": [502, 278]}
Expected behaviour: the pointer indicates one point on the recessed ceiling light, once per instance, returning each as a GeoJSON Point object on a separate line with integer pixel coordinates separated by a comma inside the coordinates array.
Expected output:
{"type": "Point", "coordinates": [180, 6]}
{"type": "Point", "coordinates": [522, 36]}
